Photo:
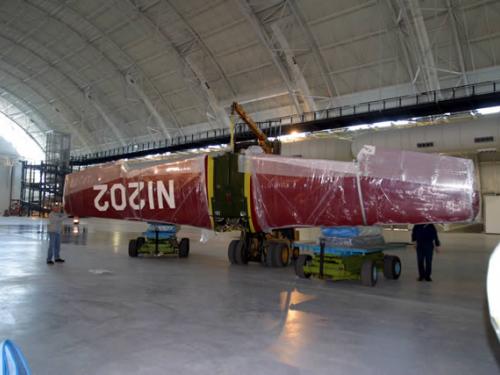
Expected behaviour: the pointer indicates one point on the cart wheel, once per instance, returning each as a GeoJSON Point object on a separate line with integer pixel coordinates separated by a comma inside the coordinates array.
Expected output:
{"type": "Point", "coordinates": [231, 251]}
{"type": "Point", "coordinates": [392, 267]}
{"type": "Point", "coordinates": [132, 249]}
{"type": "Point", "coordinates": [280, 254]}
{"type": "Point", "coordinates": [269, 256]}
{"type": "Point", "coordinates": [139, 242]}
{"type": "Point", "coordinates": [301, 261]}
{"type": "Point", "coordinates": [369, 273]}
{"type": "Point", "coordinates": [240, 253]}
{"type": "Point", "coordinates": [184, 248]}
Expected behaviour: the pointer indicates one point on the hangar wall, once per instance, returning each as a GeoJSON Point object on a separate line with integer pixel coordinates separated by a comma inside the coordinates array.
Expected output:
{"type": "Point", "coordinates": [467, 135]}
{"type": "Point", "coordinates": [5, 169]}
{"type": "Point", "coordinates": [490, 176]}
{"type": "Point", "coordinates": [319, 148]}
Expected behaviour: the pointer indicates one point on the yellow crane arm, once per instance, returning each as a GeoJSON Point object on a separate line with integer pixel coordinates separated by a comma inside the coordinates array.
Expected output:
{"type": "Point", "coordinates": [261, 137]}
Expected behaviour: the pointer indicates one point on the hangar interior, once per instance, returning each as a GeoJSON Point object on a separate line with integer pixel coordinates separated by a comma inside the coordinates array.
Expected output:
{"type": "Point", "coordinates": [89, 84]}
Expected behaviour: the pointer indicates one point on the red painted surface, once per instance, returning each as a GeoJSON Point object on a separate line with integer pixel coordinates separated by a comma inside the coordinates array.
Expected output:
{"type": "Point", "coordinates": [184, 183]}
{"type": "Point", "coordinates": [396, 187]}
{"type": "Point", "coordinates": [282, 201]}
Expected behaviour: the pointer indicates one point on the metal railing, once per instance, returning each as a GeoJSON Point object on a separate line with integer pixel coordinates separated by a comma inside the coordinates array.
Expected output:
{"type": "Point", "coordinates": [273, 127]}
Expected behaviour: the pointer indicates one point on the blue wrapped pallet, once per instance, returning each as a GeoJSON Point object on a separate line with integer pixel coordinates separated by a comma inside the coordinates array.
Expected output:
{"type": "Point", "coordinates": [351, 232]}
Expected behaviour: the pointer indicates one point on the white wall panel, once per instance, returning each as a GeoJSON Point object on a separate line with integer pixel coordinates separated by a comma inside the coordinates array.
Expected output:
{"type": "Point", "coordinates": [492, 214]}
{"type": "Point", "coordinates": [453, 137]}
{"type": "Point", "coordinates": [4, 187]}
{"type": "Point", "coordinates": [315, 148]}
{"type": "Point", "coordinates": [490, 177]}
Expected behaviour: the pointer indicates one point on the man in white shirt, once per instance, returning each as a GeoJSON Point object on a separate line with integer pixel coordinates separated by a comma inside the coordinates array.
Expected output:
{"type": "Point", "coordinates": [56, 218]}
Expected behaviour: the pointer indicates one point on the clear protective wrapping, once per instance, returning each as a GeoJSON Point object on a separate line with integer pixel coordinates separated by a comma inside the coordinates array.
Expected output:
{"type": "Point", "coordinates": [350, 232]}
{"type": "Point", "coordinates": [162, 192]}
{"type": "Point", "coordinates": [359, 242]}
{"type": "Point", "coordinates": [352, 237]}
{"type": "Point", "coordinates": [383, 187]}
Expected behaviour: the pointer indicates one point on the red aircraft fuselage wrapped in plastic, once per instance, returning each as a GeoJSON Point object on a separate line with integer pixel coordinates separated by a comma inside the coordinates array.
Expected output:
{"type": "Point", "coordinates": [171, 192]}
{"type": "Point", "coordinates": [383, 187]}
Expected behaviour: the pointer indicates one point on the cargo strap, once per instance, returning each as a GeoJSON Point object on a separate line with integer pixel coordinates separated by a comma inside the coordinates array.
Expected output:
{"type": "Point", "coordinates": [360, 194]}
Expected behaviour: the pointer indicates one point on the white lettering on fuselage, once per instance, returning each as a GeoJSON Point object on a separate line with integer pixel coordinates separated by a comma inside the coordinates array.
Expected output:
{"type": "Point", "coordinates": [117, 196]}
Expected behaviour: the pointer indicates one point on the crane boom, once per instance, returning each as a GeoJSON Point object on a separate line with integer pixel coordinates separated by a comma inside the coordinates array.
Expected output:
{"type": "Point", "coordinates": [266, 145]}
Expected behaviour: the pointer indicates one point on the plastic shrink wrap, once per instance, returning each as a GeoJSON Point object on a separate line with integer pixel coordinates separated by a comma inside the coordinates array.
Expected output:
{"type": "Point", "coordinates": [356, 242]}
{"type": "Point", "coordinates": [350, 232]}
{"type": "Point", "coordinates": [360, 237]}
{"type": "Point", "coordinates": [168, 192]}
{"type": "Point", "coordinates": [383, 187]}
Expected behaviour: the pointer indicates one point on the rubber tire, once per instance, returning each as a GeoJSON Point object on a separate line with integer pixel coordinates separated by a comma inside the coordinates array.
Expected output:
{"type": "Point", "coordinates": [390, 265]}
{"type": "Point", "coordinates": [367, 274]}
{"type": "Point", "coordinates": [139, 242]}
{"type": "Point", "coordinates": [299, 266]}
{"type": "Point", "coordinates": [278, 250]}
{"type": "Point", "coordinates": [184, 248]}
{"type": "Point", "coordinates": [270, 254]}
{"type": "Point", "coordinates": [240, 254]}
{"type": "Point", "coordinates": [231, 251]}
{"type": "Point", "coordinates": [132, 248]}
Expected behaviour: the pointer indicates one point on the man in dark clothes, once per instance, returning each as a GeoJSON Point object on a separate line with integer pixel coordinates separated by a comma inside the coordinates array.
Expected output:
{"type": "Point", "coordinates": [425, 235]}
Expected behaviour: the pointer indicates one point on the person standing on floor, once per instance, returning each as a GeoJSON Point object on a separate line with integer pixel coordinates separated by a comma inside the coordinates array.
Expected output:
{"type": "Point", "coordinates": [425, 236]}
{"type": "Point", "coordinates": [56, 218]}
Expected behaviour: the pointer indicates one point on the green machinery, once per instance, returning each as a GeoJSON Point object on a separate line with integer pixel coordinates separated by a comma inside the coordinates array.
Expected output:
{"type": "Point", "coordinates": [230, 203]}
{"type": "Point", "coordinates": [348, 264]}
{"type": "Point", "coordinates": [159, 240]}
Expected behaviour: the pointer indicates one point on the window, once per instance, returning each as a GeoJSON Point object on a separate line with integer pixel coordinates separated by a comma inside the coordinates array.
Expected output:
{"type": "Point", "coordinates": [425, 144]}
{"type": "Point", "coordinates": [483, 139]}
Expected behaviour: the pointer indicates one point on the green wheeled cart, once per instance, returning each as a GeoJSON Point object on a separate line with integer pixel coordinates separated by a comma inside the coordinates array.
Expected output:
{"type": "Point", "coordinates": [159, 240]}
{"type": "Point", "coordinates": [337, 263]}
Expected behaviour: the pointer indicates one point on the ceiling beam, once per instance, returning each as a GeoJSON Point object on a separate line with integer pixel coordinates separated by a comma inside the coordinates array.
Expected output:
{"type": "Point", "coordinates": [28, 133]}
{"type": "Point", "coordinates": [203, 85]}
{"type": "Point", "coordinates": [456, 40]}
{"type": "Point", "coordinates": [47, 84]}
{"type": "Point", "coordinates": [122, 73]}
{"type": "Point", "coordinates": [41, 119]}
{"type": "Point", "coordinates": [49, 102]}
{"type": "Point", "coordinates": [313, 45]}
{"type": "Point", "coordinates": [17, 122]}
{"type": "Point", "coordinates": [50, 66]}
{"type": "Point", "coordinates": [343, 12]}
{"type": "Point", "coordinates": [265, 39]}
{"type": "Point", "coordinates": [418, 37]}
{"type": "Point", "coordinates": [97, 106]}
{"type": "Point", "coordinates": [300, 81]}
{"type": "Point", "coordinates": [203, 46]}
{"type": "Point", "coordinates": [402, 43]}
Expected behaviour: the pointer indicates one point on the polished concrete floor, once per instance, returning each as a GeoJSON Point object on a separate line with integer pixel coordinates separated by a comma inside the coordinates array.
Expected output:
{"type": "Point", "coordinates": [105, 313]}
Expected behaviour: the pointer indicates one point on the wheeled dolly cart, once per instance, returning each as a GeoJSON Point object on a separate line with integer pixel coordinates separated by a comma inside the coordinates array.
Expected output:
{"type": "Point", "coordinates": [159, 240]}
{"type": "Point", "coordinates": [337, 263]}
